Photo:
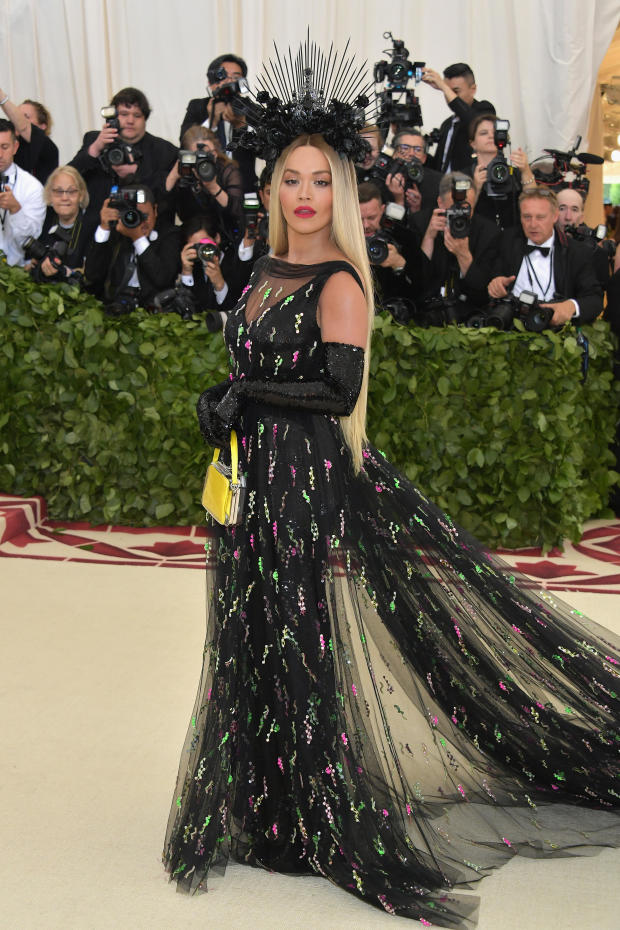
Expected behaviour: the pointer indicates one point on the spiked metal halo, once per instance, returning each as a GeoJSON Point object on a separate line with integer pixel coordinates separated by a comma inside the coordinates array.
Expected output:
{"type": "Point", "coordinates": [311, 93]}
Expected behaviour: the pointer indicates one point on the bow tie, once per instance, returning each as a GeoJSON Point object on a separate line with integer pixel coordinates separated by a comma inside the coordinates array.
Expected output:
{"type": "Point", "coordinates": [543, 249]}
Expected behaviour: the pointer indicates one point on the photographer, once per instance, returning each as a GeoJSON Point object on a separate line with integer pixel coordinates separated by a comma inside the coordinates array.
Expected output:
{"type": "Point", "coordinates": [374, 137]}
{"type": "Point", "coordinates": [209, 184]}
{"type": "Point", "coordinates": [571, 206]}
{"type": "Point", "coordinates": [67, 234]}
{"type": "Point", "coordinates": [255, 242]}
{"type": "Point", "coordinates": [394, 257]}
{"type": "Point", "coordinates": [557, 269]}
{"type": "Point", "coordinates": [123, 152]}
{"type": "Point", "coordinates": [216, 112]}
{"type": "Point", "coordinates": [459, 248]}
{"type": "Point", "coordinates": [458, 86]}
{"type": "Point", "coordinates": [496, 183]}
{"type": "Point", "coordinates": [130, 261]}
{"type": "Point", "coordinates": [36, 154]}
{"type": "Point", "coordinates": [411, 182]}
{"type": "Point", "coordinates": [212, 275]}
{"type": "Point", "coordinates": [22, 208]}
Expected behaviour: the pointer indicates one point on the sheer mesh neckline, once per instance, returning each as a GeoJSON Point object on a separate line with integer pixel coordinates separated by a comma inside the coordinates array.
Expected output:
{"type": "Point", "coordinates": [278, 280]}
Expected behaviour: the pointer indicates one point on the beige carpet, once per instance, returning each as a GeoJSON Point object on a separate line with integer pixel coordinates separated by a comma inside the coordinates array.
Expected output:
{"type": "Point", "coordinates": [98, 669]}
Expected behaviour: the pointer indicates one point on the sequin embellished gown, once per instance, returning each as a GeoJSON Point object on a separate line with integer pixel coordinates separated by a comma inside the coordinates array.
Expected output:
{"type": "Point", "coordinates": [381, 703]}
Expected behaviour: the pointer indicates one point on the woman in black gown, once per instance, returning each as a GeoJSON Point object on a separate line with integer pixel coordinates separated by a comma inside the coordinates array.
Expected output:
{"type": "Point", "coordinates": [381, 703]}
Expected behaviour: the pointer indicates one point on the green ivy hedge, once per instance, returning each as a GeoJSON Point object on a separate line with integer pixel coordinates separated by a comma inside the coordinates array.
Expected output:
{"type": "Point", "coordinates": [97, 415]}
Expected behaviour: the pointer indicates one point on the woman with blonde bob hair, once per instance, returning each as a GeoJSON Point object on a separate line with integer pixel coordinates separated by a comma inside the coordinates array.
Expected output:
{"type": "Point", "coordinates": [67, 230]}
{"type": "Point", "coordinates": [380, 699]}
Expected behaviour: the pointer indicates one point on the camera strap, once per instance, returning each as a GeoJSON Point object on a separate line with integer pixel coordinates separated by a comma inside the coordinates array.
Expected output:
{"type": "Point", "coordinates": [543, 293]}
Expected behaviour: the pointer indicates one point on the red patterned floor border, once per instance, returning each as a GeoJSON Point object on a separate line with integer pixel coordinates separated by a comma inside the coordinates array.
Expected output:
{"type": "Point", "coordinates": [592, 565]}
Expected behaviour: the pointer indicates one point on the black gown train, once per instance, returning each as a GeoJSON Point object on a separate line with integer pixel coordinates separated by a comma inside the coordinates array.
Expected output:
{"type": "Point", "coordinates": [381, 702]}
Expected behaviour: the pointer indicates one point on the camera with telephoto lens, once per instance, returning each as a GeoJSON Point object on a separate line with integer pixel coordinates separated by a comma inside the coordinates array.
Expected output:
{"type": "Point", "coordinates": [127, 203]}
{"type": "Point", "coordinates": [459, 214]}
{"type": "Point", "coordinates": [117, 152]}
{"type": "Point", "coordinates": [377, 245]}
{"type": "Point", "coordinates": [174, 300]}
{"type": "Point", "coordinates": [593, 237]}
{"type": "Point", "coordinates": [200, 165]}
{"type": "Point", "coordinates": [499, 172]}
{"type": "Point", "coordinates": [56, 251]}
{"type": "Point", "coordinates": [397, 102]}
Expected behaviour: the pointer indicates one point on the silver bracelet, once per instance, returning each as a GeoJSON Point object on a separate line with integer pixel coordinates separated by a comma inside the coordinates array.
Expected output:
{"type": "Point", "coordinates": [4, 100]}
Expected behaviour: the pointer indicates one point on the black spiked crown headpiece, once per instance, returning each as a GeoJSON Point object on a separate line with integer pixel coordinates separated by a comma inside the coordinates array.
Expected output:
{"type": "Point", "coordinates": [309, 93]}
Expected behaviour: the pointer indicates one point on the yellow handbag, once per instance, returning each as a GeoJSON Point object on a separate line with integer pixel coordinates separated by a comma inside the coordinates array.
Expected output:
{"type": "Point", "coordinates": [224, 490]}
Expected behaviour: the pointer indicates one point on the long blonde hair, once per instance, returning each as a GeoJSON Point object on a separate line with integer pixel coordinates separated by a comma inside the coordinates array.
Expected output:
{"type": "Point", "coordinates": [348, 235]}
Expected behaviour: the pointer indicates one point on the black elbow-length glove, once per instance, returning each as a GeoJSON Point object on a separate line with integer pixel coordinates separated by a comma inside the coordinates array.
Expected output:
{"type": "Point", "coordinates": [335, 392]}
{"type": "Point", "coordinates": [213, 430]}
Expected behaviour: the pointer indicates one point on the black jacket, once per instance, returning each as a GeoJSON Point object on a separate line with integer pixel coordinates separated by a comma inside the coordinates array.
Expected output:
{"type": "Point", "coordinates": [573, 271]}
{"type": "Point", "coordinates": [460, 149]}
{"type": "Point", "coordinates": [106, 267]}
{"type": "Point", "coordinates": [196, 114]}
{"type": "Point", "coordinates": [442, 269]}
{"type": "Point", "coordinates": [233, 271]}
{"type": "Point", "coordinates": [188, 202]}
{"type": "Point", "coordinates": [39, 156]}
{"type": "Point", "coordinates": [158, 157]}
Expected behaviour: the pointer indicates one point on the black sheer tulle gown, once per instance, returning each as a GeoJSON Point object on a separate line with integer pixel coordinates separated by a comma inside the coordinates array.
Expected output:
{"type": "Point", "coordinates": [381, 702]}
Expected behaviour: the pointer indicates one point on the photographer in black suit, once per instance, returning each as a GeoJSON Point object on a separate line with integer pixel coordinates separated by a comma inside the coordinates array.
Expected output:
{"type": "Point", "coordinates": [219, 115]}
{"type": "Point", "coordinates": [130, 261]}
{"type": "Point", "coordinates": [538, 258]}
{"type": "Point", "coordinates": [458, 85]}
{"type": "Point", "coordinates": [397, 275]}
{"type": "Point", "coordinates": [147, 161]}
{"type": "Point", "coordinates": [410, 147]}
{"type": "Point", "coordinates": [457, 266]}
{"type": "Point", "coordinates": [213, 275]}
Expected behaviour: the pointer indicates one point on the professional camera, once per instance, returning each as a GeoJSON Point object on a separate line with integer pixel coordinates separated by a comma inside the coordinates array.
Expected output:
{"type": "Point", "coordinates": [4, 180]}
{"type": "Point", "coordinates": [377, 245]}
{"type": "Point", "coordinates": [526, 307]}
{"type": "Point", "coordinates": [199, 165]}
{"type": "Point", "coordinates": [558, 169]}
{"type": "Point", "coordinates": [459, 214]}
{"type": "Point", "coordinates": [499, 172]}
{"type": "Point", "coordinates": [206, 250]}
{"type": "Point", "coordinates": [127, 203]}
{"type": "Point", "coordinates": [55, 251]}
{"type": "Point", "coordinates": [117, 152]}
{"type": "Point", "coordinates": [595, 238]}
{"type": "Point", "coordinates": [256, 226]}
{"type": "Point", "coordinates": [401, 309]}
{"type": "Point", "coordinates": [174, 300]}
{"type": "Point", "coordinates": [397, 103]}
{"type": "Point", "coordinates": [442, 311]}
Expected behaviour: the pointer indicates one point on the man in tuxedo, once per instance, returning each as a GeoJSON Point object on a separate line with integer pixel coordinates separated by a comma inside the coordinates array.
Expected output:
{"type": "Point", "coordinates": [150, 160]}
{"type": "Point", "coordinates": [219, 115]}
{"type": "Point", "coordinates": [457, 267]}
{"type": "Point", "coordinates": [458, 85]}
{"type": "Point", "coordinates": [538, 258]}
{"type": "Point", "coordinates": [127, 265]}
{"type": "Point", "coordinates": [410, 147]}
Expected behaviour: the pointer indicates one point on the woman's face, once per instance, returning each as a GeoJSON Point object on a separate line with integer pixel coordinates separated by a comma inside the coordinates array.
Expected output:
{"type": "Point", "coordinates": [306, 191]}
{"type": "Point", "coordinates": [484, 139]}
{"type": "Point", "coordinates": [571, 208]}
{"type": "Point", "coordinates": [29, 112]}
{"type": "Point", "coordinates": [65, 198]}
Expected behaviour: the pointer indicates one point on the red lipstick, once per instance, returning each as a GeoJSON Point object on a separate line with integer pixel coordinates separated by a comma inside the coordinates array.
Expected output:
{"type": "Point", "coordinates": [305, 211]}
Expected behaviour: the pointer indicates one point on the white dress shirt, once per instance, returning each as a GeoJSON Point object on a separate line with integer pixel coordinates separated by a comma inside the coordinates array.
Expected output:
{"type": "Point", "coordinates": [28, 221]}
{"type": "Point", "coordinates": [537, 273]}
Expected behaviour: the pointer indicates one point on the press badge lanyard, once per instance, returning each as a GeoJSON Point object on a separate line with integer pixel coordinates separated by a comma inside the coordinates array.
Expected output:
{"type": "Point", "coordinates": [531, 271]}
